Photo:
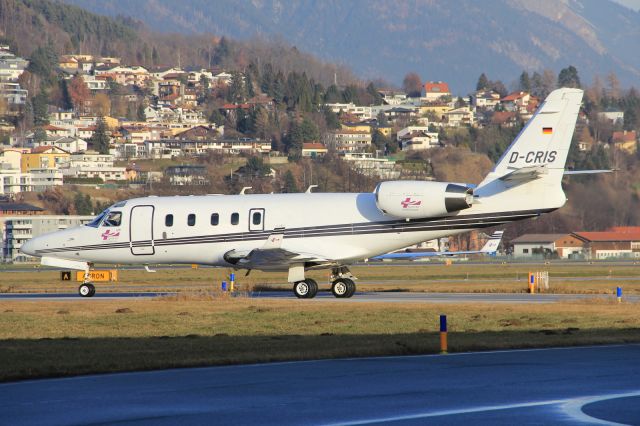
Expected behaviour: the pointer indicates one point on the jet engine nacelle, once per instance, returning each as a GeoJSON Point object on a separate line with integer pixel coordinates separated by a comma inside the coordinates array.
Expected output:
{"type": "Point", "coordinates": [419, 199]}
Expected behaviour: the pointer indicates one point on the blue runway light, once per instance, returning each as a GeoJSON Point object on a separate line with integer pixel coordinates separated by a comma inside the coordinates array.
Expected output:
{"type": "Point", "coordinates": [224, 286]}
{"type": "Point", "coordinates": [443, 323]}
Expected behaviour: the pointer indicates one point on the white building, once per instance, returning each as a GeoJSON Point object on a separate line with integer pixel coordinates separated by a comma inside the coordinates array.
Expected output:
{"type": "Point", "coordinates": [348, 140]}
{"type": "Point", "coordinates": [13, 181]}
{"type": "Point", "coordinates": [15, 230]}
{"type": "Point", "coordinates": [360, 112]}
{"type": "Point", "coordinates": [367, 164]}
{"type": "Point", "coordinates": [93, 165]}
{"type": "Point", "coordinates": [69, 144]}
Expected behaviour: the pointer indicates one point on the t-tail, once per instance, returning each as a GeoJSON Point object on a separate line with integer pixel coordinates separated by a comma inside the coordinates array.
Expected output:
{"type": "Point", "coordinates": [491, 246]}
{"type": "Point", "coordinates": [529, 173]}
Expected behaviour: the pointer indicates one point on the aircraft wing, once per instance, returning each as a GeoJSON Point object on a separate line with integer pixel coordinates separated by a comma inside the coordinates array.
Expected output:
{"type": "Point", "coordinates": [490, 247]}
{"type": "Point", "coordinates": [271, 256]}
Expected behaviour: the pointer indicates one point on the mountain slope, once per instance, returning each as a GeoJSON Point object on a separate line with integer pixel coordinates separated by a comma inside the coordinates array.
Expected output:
{"type": "Point", "coordinates": [454, 40]}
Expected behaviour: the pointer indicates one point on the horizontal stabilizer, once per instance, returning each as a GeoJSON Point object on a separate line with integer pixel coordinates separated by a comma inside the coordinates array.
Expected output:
{"type": "Point", "coordinates": [587, 172]}
{"type": "Point", "coordinates": [525, 174]}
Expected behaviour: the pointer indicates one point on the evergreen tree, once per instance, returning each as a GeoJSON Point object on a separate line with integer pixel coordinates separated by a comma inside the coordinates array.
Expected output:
{"type": "Point", "coordinates": [40, 104]}
{"type": "Point", "coordinates": [568, 77]}
{"type": "Point", "coordinates": [332, 95]}
{"type": "Point", "coordinates": [43, 62]}
{"type": "Point", "coordinates": [237, 88]}
{"type": "Point", "coordinates": [100, 139]}
{"type": "Point", "coordinates": [483, 82]}
{"type": "Point", "coordinates": [525, 82]}
{"type": "Point", "coordinates": [82, 204]}
{"type": "Point", "coordinates": [373, 92]}
{"type": "Point", "coordinates": [290, 183]}
{"type": "Point", "coordinates": [331, 118]}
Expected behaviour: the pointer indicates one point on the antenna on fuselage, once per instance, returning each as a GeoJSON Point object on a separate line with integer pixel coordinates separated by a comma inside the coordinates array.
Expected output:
{"type": "Point", "coordinates": [242, 191]}
{"type": "Point", "coordinates": [308, 191]}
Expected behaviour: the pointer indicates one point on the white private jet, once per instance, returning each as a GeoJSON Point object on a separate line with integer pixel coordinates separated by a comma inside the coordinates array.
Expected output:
{"type": "Point", "coordinates": [489, 248]}
{"type": "Point", "coordinates": [298, 232]}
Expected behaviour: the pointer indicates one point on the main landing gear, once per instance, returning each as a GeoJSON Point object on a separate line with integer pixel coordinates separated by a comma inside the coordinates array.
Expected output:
{"type": "Point", "coordinates": [342, 285]}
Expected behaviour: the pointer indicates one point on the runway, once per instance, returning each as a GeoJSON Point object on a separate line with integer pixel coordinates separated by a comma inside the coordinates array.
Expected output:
{"type": "Point", "coordinates": [325, 296]}
{"type": "Point", "coordinates": [543, 386]}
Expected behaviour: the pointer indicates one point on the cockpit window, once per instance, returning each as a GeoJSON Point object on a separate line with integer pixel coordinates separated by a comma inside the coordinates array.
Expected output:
{"type": "Point", "coordinates": [96, 222]}
{"type": "Point", "coordinates": [113, 219]}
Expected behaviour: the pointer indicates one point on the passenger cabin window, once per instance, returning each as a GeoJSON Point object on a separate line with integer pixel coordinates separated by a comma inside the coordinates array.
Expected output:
{"type": "Point", "coordinates": [191, 219]}
{"type": "Point", "coordinates": [257, 218]}
{"type": "Point", "coordinates": [235, 218]}
{"type": "Point", "coordinates": [113, 219]}
{"type": "Point", "coordinates": [215, 219]}
{"type": "Point", "coordinates": [168, 220]}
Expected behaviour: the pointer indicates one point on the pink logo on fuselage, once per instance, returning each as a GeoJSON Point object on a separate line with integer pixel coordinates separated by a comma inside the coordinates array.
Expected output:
{"type": "Point", "coordinates": [409, 203]}
{"type": "Point", "coordinates": [108, 234]}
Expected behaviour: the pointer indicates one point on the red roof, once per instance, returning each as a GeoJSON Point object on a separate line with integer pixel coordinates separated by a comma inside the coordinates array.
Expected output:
{"type": "Point", "coordinates": [313, 145]}
{"type": "Point", "coordinates": [52, 128]}
{"type": "Point", "coordinates": [625, 136]}
{"type": "Point", "coordinates": [502, 117]}
{"type": "Point", "coordinates": [624, 229]}
{"type": "Point", "coordinates": [436, 87]}
{"type": "Point", "coordinates": [236, 106]}
{"type": "Point", "coordinates": [514, 96]}
{"type": "Point", "coordinates": [608, 236]}
{"type": "Point", "coordinates": [41, 149]}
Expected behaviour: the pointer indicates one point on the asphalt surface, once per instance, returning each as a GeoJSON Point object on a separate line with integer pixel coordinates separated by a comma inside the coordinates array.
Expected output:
{"type": "Point", "coordinates": [546, 386]}
{"type": "Point", "coordinates": [387, 297]}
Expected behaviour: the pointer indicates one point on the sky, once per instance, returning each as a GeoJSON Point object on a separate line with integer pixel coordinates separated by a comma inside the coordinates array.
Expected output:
{"type": "Point", "coordinates": [631, 4]}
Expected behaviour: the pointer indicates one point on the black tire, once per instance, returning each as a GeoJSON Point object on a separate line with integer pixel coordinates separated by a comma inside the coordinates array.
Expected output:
{"type": "Point", "coordinates": [340, 288]}
{"type": "Point", "coordinates": [352, 287]}
{"type": "Point", "coordinates": [301, 289]}
{"type": "Point", "coordinates": [86, 290]}
{"type": "Point", "coordinates": [313, 288]}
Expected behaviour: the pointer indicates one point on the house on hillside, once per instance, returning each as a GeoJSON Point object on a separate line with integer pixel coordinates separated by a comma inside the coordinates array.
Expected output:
{"type": "Point", "coordinates": [609, 244]}
{"type": "Point", "coordinates": [314, 149]}
{"type": "Point", "coordinates": [43, 157]}
{"type": "Point", "coordinates": [565, 245]}
{"type": "Point", "coordinates": [198, 133]}
{"type": "Point", "coordinates": [626, 140]}
{"type": "Point", "coordinates": [485, 99]}
{"type": "Point", "coordinates": [435, 90]}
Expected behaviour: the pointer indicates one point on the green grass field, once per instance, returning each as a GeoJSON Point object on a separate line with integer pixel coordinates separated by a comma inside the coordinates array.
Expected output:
{"type": "Point", "coordinates": [45, 339]}
{"type": "Point", "coordinates": [201, 326]}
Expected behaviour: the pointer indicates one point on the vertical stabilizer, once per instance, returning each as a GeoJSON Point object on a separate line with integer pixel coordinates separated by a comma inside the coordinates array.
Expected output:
{"type": "Point", "coordinates": [545, 140]}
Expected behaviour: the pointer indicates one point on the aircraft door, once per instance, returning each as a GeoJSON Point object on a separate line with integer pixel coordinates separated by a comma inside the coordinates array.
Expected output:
{"type": "Point", "coordinates": [141, 230]}
{"type": "Point", "coordinates": [256, 220]}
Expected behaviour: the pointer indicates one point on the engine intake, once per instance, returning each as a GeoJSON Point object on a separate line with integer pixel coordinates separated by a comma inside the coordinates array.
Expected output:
{"type": "Point", "coordinates": [419, 199]}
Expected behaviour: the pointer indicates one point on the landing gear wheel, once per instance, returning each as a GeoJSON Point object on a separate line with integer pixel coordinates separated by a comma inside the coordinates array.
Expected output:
{"type": "Point", "coordinates": [301, 289]}
{"type": "Point", "coordinates": [340, 288]}
{"type": "Point", "coordinates": [352, 287]}
{"type": "Point", "coordinates": [305, 289]}
{"type": "Point", "coordinates": [86, 290]}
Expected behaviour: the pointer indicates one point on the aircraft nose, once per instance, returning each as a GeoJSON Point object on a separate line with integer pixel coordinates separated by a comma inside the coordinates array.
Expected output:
{"type": "Point", "coordinates": [29, 247]}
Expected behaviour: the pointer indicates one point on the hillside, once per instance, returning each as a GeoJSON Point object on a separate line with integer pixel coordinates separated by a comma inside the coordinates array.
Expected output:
{"type": "Point", "coordinates": [454, 40]}
{"type": "Point", "coordinates": [29, 24]}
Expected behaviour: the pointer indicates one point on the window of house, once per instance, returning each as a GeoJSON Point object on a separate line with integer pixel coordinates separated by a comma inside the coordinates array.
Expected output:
{"type": "Point", "coordinates": [235, 218]}
{"type": "Point", "coordinates": [168, 220]}
{"type": "Point", "coordinates": [525, 250]}
{"type": "Point", "coordinates": [191, 219]}
{"type": "Point", "coordinates": [215, 219]}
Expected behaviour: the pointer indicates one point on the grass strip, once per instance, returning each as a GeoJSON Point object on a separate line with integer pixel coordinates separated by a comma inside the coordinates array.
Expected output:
{"type": "Point", "coordinates": [69, 338]}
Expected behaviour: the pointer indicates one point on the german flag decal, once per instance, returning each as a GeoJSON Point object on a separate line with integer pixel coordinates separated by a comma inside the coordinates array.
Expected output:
{"type": "Point", "coordinates": [547, 130]}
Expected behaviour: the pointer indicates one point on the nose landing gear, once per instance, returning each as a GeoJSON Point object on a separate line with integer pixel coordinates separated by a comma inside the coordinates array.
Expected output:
{"type": "Point", "coordinates": [86, 290]}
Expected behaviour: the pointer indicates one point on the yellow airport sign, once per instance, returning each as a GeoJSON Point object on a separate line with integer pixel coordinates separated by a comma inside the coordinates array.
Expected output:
{"type": "Point", "coordinates": [99, 275]}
